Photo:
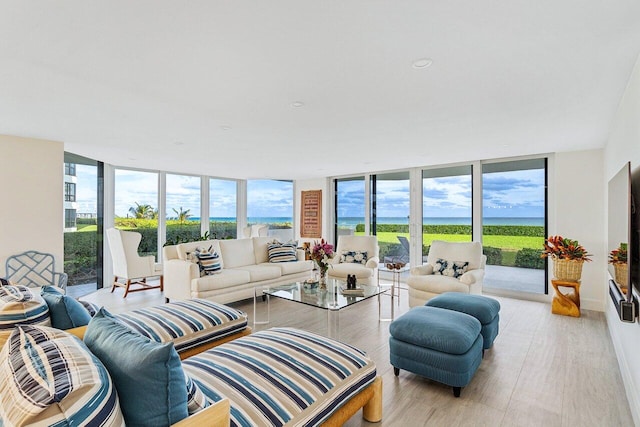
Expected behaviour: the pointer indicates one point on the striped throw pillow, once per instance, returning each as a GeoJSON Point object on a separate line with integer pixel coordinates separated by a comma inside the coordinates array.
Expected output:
{"type": "Point", "coordinates": [282, 252]}
{"type": "Point", "coordinates": [19, 305]}
{"type": "Point", "coordinates": [209, 261]}
{"type": "Point", "coordinates": [49, 377]}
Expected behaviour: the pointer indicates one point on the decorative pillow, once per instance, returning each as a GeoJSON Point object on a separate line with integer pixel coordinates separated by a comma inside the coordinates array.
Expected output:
{"type": "Point", "coordinates": [139, 367]}
{"type": "Point", "coordinates": [19, 305]}
{"type": "Point", "coordinates": [196, 399]}
{"type": "Point", "coordinates": [458, 268]}
{"type": "Point", "coordinates": [440, 266]}
{"type": "Point", "coordinates": [209, 261]}
{"type": "Point", "coordinates": [453, 269]}
{"type": "Point", "coordinates": [356, 257]}
{"type": "Point", "coordinates": [91, 307]}
{"type": "Point", "coordinates": [49, 377]}
{"type": "Point", "coordinates": [65, 312]}
{"type": "Point", "coordinates": [282, 252]}
{"type": "Point", "coordinates": [5, 282]}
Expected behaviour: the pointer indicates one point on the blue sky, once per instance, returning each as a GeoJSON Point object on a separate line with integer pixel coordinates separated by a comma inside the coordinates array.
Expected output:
{"type": "Point", "coordinates": [506, 194]}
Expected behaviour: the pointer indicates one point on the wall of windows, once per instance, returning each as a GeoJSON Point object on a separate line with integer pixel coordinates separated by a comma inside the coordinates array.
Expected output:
{"type": "Point", "coordinates": [511, 197]}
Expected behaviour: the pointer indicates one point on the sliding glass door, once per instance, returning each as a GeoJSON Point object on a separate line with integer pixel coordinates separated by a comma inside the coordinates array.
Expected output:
{"type": "Point", "coordinates": [390, 208]}
{"type": "Point", "coordinates": [514, 224]}
{"type": "Point", "coordinates": [223, 208]}
{"type": "Point", "coordinates": [350, 206]}
{"type": "Point", "coordinates": [446, 205]}
{"type": "Point", "coordinates": [136, 206]}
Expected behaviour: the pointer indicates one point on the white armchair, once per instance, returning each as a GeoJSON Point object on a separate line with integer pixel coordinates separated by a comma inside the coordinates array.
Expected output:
{"type": "Point", "coordinates": [423, 284]}
{"type": "Point", "coordinates": [129, 268]}
{"type": "Point", "coordinates": [354, 244]}
{"type": "Point", "coordinates": [255, 230]}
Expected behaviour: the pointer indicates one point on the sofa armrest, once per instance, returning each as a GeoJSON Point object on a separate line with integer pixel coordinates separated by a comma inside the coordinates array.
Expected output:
{"type": "Point", "coordinates": [422, 270]}
{"type": "Point", "coordinates": [300, 255]}
{"type": "Point", "coordinates": [177, 278]}
{"type": "Point", "coordinates": [217, 415]}
{"type": "Point", "coordinates": [472, 276]}
{"type": "Point", "coordinates": [373, 262]}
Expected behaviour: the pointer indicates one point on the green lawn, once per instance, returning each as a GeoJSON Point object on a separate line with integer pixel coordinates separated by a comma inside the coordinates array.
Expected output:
{"type": "Point", "coordinates": [512, 243]}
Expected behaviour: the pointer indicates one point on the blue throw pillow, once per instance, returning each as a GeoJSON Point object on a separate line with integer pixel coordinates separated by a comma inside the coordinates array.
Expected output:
{"type": "Point", "coordinates": [65, 312]}
{"type": "Point", "coordinates": [148, 376]}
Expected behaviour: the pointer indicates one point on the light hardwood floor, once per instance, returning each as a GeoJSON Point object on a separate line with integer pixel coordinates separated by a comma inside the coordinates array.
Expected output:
{"type": "Point", "coordinates": [543, 370]}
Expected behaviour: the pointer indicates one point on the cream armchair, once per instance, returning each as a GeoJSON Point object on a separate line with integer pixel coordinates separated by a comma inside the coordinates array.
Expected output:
{"type": "Point", "coordinates": [129, 268]}
{"type": "Point", "coordinates": [349, 246]}
{"type": "Point", "coordinates": [423, 284]}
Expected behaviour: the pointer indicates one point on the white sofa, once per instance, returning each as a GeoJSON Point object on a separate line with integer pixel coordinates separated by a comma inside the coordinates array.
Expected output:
{"type": "Point", "coordinates": [245, 264]}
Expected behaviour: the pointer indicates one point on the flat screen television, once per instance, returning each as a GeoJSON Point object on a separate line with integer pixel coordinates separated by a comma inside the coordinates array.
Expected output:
{"type": "Point", "coordinates": [619, 228]}
{"type": "Point", "coordinates": [624, 238]}
{"type": "Point", "coordinates": [634, 227]}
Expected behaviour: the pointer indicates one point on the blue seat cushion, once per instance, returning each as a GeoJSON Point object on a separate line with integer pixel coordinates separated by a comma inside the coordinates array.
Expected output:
{"type": "Point", "coordinates": [482, 308]}
{"type": "Point", "coordinates": [438, 329]}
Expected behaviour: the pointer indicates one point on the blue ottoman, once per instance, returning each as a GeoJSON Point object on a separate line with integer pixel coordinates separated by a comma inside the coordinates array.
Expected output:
{"type": "Point", "coordinates": [482, 308]}
{"type": "Point", "coordinates": [442, 345]}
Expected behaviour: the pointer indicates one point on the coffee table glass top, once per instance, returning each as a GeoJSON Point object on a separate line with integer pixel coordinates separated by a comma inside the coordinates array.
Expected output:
{"type": "Point", "coordinates": [329, 299]}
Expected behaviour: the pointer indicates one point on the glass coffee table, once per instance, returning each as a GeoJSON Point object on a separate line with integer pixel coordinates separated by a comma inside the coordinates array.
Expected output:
{"type": "Point", "coordinates": [330, 299]}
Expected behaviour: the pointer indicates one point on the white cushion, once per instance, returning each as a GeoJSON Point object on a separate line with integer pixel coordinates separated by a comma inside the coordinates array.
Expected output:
{"type": "Point", "coordinates": [437, 284]}
{"type": "Point", "coordinates": [261, 272]}
{"type": "Point", "coordinates": [237, 252]}
{"type": "Point", "coordinates": [456, 251]}
{"type": "Point", "coordinates": [292, 267]}
{"type": "Point", "coordinates": [260, 248]}
{"type": "Point", "coordinates": [341, 270]}
{"type": "Point", "coordinates": [227, 278]}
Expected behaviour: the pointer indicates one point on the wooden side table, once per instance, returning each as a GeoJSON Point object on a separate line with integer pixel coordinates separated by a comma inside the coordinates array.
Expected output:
{"type": "Point", "coordinates": [566, 304]}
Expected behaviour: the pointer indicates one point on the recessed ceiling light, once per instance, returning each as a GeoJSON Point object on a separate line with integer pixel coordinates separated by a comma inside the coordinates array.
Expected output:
{"type": "Point", "coordinates": [225, 127]}
{"type": "Point", "coordinates": [297, 104]}
{"type": "Point", "coordinates": [422, 63]}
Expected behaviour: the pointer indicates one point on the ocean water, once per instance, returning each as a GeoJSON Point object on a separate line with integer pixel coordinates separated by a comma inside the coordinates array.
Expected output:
{"type": "Point", "coordinates": [351, 222]}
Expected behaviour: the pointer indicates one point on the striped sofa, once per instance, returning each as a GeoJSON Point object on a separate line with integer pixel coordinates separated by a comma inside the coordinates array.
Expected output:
{"type": "Point", "coordinates": [271, 378]}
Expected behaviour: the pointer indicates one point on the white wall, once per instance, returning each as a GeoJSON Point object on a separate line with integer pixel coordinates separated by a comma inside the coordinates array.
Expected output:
{"type": "Point", "coordinates": [579, 206]}
{"type": "Point", "coordinates": [624, 145]}
{"type": "Point", "coordinates": [32, 192]}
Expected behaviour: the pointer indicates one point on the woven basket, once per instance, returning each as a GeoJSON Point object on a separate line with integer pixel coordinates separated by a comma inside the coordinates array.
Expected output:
{"type": "Point", "coordinates": [622, 274]}
{"type": "Point", "coordinates": [567, 269]}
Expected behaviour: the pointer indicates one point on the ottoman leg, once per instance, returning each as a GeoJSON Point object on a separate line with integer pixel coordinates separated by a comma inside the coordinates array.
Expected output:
{"type": "Point", "coordinates": [396, 371]}
{"type": "Point", "coordinates": [456, 391]}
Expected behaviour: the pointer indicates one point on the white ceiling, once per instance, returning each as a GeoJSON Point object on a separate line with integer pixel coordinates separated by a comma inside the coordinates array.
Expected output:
{"type": "Point", "coordinates": [154, 84]}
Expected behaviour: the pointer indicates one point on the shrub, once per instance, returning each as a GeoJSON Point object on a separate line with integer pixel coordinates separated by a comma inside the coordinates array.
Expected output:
{"type": "Point", "coordinates": [530, 258]}
{"type": "Point", "coordinates": [494, 255]}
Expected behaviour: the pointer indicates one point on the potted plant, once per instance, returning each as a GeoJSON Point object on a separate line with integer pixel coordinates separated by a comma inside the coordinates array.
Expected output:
{"type": "Point", "coordinates": [568, 256]}
{"type": "Point", "coordinates": [618, 257]}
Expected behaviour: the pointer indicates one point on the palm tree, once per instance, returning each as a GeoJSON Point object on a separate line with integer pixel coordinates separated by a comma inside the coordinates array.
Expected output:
{"type": "Point", "coordinates": [182, 215]}
{"type": "Point", "coordinates": [141, 211]}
